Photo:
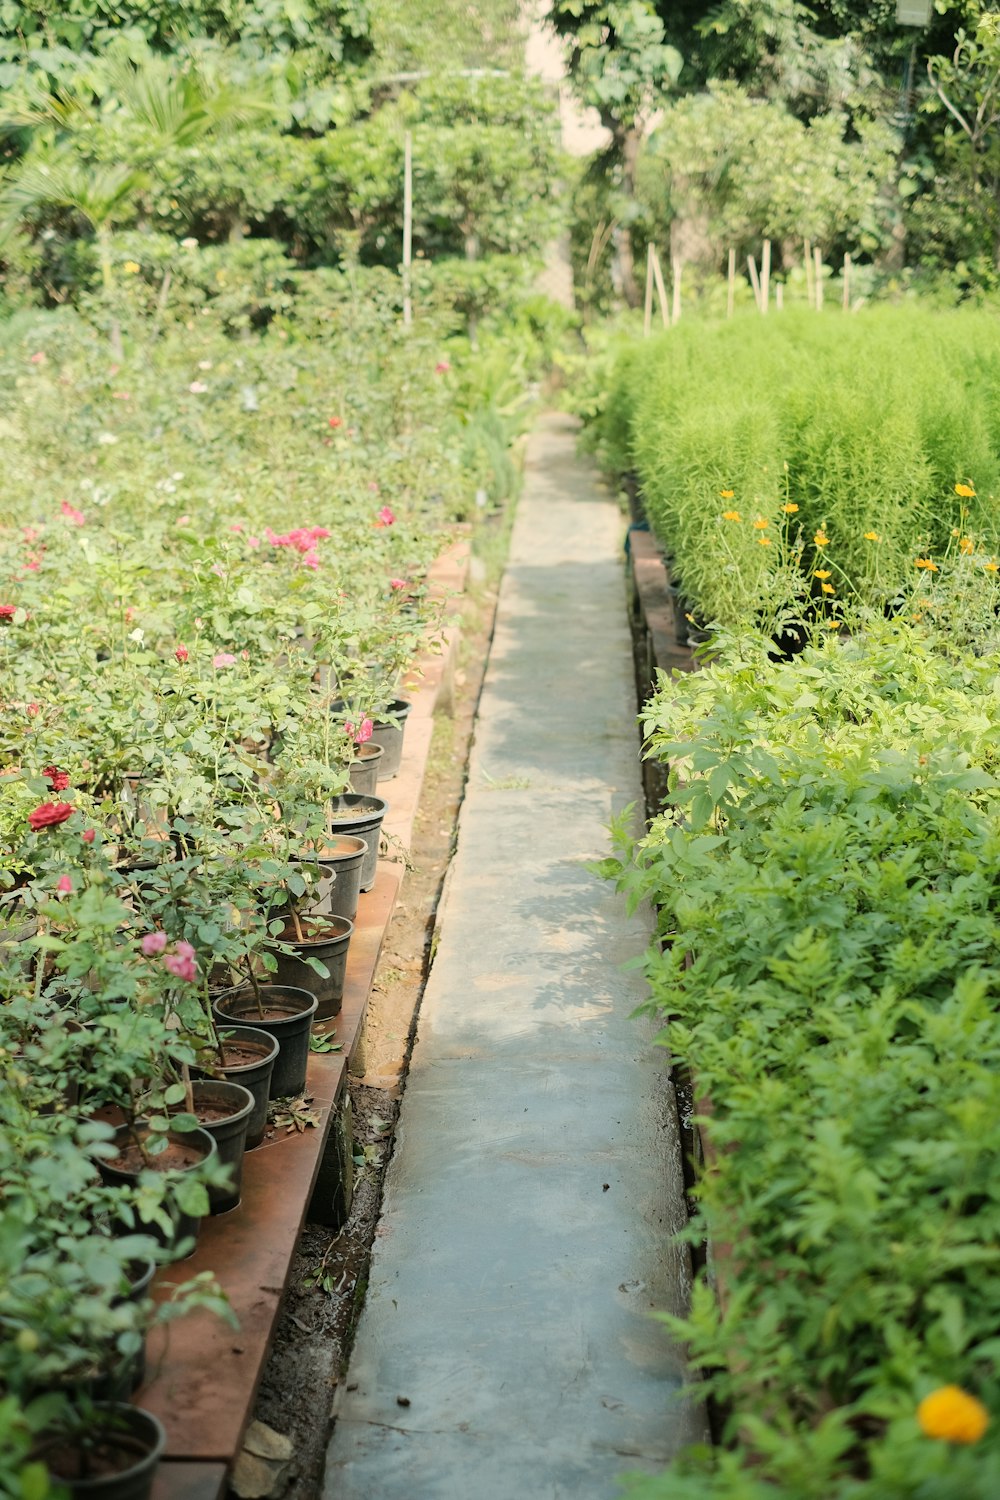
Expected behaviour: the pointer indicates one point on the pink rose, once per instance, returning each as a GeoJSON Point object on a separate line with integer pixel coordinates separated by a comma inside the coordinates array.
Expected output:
{"type": "Point", "coordinates": [74, 516]}
{"type": "Point", "coordinates": [385, 517]}
{"type": "Point", "coordinates": [223, 659]}
{"type": "Point", "coordinates": [181, 653]}
{"type": "Point", "coordinates": [153, 943]}
{"type": "Point", "coordinates": [442, 367]}
{"type": "Point", "coordinates": [87, 835]}
{"type": "Point", "coordinates": [397, 583]}
{"type": "Point", "coordinates": [64, 885]}
{"type": "Point", "coordinates": [364, 731]}
{"type": "Point", "coordinates": [181, 963]}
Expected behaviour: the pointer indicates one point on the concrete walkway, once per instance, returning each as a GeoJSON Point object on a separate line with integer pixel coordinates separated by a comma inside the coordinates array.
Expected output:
{"type": "Point", "coordinates": [506, 1349]}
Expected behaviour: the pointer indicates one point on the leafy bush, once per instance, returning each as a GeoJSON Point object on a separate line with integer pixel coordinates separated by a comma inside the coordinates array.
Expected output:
{"type": "Point", "coordinates": [878, 432]}
{"type": "Point", "coordinates": [824, 869]}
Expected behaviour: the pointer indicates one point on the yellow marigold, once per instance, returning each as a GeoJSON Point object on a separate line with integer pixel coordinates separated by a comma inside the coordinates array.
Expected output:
{"type": "Point", "coordinates": [790, 508]}
{"type": "Point", "coordinates": [990, 567]}
{"type": "Point", "coordinates": [764, 541]}
{"type": "Point", "coordinates": [822, 573]}
{"type": "Point", "coordinates": [821, 539]}
{"type": "Point", "coordinates": [966, 545]}
{"type": "Point", "coordinates": [760, 524]}
{"type": "Point", "coordinates": [132, 268]}
{"type": "Point", "coordinates": [925, 562]}
{"type": "Point", "coordinates": [833, 624]}
{"type": "Point", "coordinates": [872, 536]}
{"type": "Point", "coordinates": [828, 588]}
{"type": "Point", "coordinates": [726, 494]}
{"type": "Point", "coordinates": [951, 1414]}
{"type": "Point", "coordinates": [965, 490]}
{"type": "Point", "coordinates": [731, 515]}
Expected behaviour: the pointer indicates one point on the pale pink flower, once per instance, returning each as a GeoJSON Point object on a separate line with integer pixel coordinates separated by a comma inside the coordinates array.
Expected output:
{"type": "Point", "coordinates": [253, 541]}
{"type": "Point", "coordinates": [153, 943]}
{"type": "Point", "coordinates": [310, 559]}
{"type": "Point", "coordinates": [442, 367]}
{"type": "Point", "coordinates": [386, 517]}
{"type": "Point", "coordinates": [364, 731]}
{"type": "Point", "coordinates": [181, 963]}
{"type": "Point", "coordinates": [65, 885]}
{"type": "Point", "coordinates": [37, 359]}
{"type": "Point", "coordinates": [397, 583]}
{"type": "Point", "coordinates": [218, 570]}
{"type": "Point", "coordinates": [74, 516]}
{"type": "Point", "coordinates": [197, 388]}
{"type": "Point", "coordinates": [223, 659]}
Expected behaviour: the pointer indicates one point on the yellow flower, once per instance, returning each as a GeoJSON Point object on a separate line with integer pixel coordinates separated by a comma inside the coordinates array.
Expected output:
{"type": "Point", "coordinates": [731, 515]}
{"type": "Point", "coordinates": [990, 567]}
{"type": "Point", "coordinates": [872, 536]}
{"type": "Point", "coordinates": [955, 531]}
{"type": "Point", "coordinates": [966, 545]}
{"type": "Point", "coordinates": [790, 508]}
{"type": "Point", "coordinates": [965, 490]}
{"type": "Point", "coordinates": [953, 1415]}
{"type": "Point", "coordinates": [765, 541]}
{"type": "Point", "coordinates": [833, 624]}
{"type": "Point", "coordinates": [822, 573]}
{"type": "Point", "coordinates": [828, 588]}
{"type": "Point", "coordinates": [726, 494]}
{"type": "Point", "coordinates": [925, 562]}
{"type": "Point", "coordinates": [821, 539]}
{"type": "Point", "coordinates": [132, 268]}
{"type": "Point", "coordinates": [760, 524]}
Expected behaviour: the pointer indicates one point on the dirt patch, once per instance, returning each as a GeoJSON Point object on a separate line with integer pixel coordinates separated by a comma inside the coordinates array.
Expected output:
{"type": "Point", "coordinates": [329, 1275]}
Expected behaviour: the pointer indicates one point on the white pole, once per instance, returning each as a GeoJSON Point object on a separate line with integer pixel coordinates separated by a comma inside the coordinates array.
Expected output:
{"type": "Point", "coordinates": [647, 312]}
{"type": "Point", "coordinates": [678, 267]}
{"type": "Point", "coordinates": [765, 277]}
{"type": "Point", "coordinates": [731, 292]}
{"type": "Point", "coordinates": [661, 291]}
{"type": "Point", "coordinates": [407, 225]}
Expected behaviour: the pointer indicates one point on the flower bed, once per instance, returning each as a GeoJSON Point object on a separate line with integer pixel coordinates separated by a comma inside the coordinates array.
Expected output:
{"type": "Point", "coordinates": [780, 455]}
{"type": "Point", "coordinates": [823, 869]}
{"type": "Point", "coordinates": [173, 641]}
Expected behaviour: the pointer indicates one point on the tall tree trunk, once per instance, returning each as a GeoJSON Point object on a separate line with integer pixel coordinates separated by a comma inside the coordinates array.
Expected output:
{"type": "Point", "coordinates": [627, 143]}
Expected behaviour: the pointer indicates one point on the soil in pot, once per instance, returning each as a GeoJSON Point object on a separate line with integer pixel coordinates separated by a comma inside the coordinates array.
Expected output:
{"type": "Point", "coordinates": [249, 1055]}
{"type": "Point", "coordinates": [361, 816]}
{"type": "Point", "coordinates": [287, 1013]}
{"type": "Point", "coordinates": [115, 1459]}
{"type": "Point", "coordinates": [183, 1151]}
{"type": "Point", "coordinates": [327, 941]}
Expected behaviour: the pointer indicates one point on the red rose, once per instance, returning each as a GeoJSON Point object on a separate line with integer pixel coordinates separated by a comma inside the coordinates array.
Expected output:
{"type": "Point", "coordinates": [49, 813]}
{"type": "Point", "coordinates": [7, 611]}
{"type": "Point", "coordinates": [58, 780]}
{"type": "Point", "coordinates": [88, 835]}
{"type": "Point", "coordinates": [181, 653]}
{"type": "Point", "coordinates": [336, 421]}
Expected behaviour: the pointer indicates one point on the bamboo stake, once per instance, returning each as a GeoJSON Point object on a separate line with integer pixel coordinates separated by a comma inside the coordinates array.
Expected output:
{"type": "Point", "coordinates": [818, 264]}
{"type": "Point", "coordinates": [407, 225]}
{"type": "Point", "coordinates": [810, 290]}
{"type": "Point", "coordinates": [647, 315]}
{"type": "Point", "coordinates": [731, 293]}
{"type": "Point", "coordinates": [765, 277]}
{"type": "Point", "coordinates": [677, 267]}
{"type": "Point", "coordinates": [779, 296]}
{"type": "Point", "coordinates": [847, 282]}
{"type": "Point", "coordinates": [661, 291]}
{"type": "Point", "coordinates": [754, 280]}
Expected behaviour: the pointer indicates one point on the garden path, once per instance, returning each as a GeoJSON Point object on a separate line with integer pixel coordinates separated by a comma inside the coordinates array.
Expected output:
{"type": "Point", "coordinates": [506, 1346]}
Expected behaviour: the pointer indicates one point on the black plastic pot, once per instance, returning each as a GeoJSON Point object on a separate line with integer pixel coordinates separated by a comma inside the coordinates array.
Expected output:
{"type": "Point", "coordinates": [389, 734]}
{"type": "Point", "coordinates": [120, 1383]}
{"type": "Point", "coordinates": [327, 941]}
{"type": "Point", "coordinates": [229, 1134]}
{"type": "Point", "coordinates": [290, 1021]}
{"type": "Point", "coordinates": [128, 1431]}
{"type": "Point", "coordinates": [255, 1077]}
{"type": "Point", "coordinates": [344, 856]}
{"type": "Point", "coordinates": [366, 766]}
{"type": "Point", "coordinates": [185, 1225]}
{"type": "Point", "coordinates": [362, 817]}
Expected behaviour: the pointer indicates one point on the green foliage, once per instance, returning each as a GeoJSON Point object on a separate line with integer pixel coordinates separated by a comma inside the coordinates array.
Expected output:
{"type": "Point", "coordinates": [824, 874]}
{"type": "Point", "coordinates": [864, 425]}
{"type": "Point", "coordinates": [751, 170]}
